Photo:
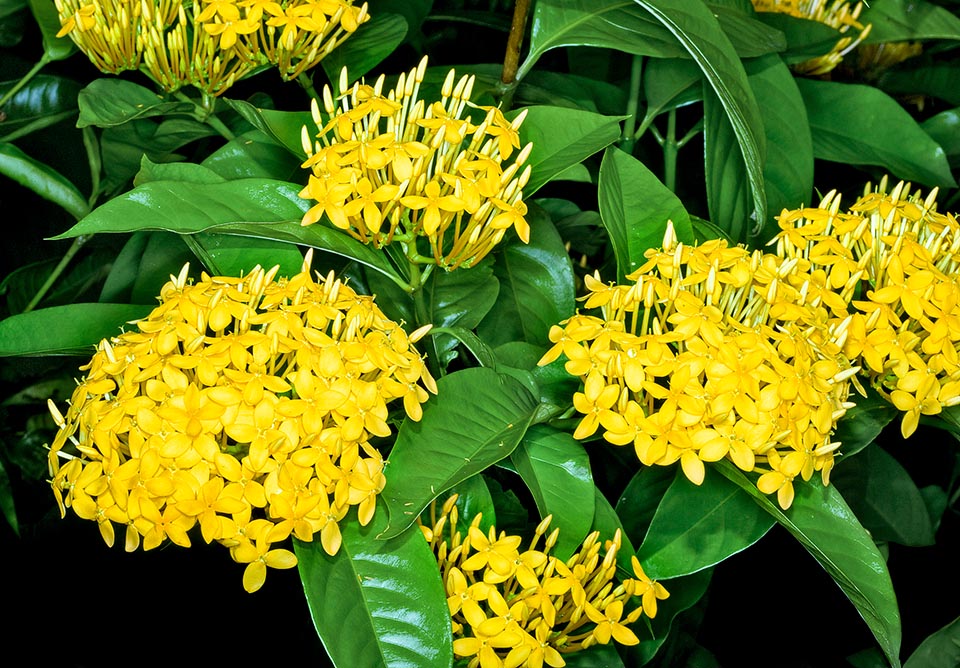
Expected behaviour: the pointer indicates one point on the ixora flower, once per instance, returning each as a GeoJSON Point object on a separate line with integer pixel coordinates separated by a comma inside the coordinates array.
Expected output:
{"type": "Point", "coordinates": [837, 14]}
{"type": "Point", "coordinates": [524, 607]}
{"type": "Point", "coordinates": [242, 406]}
{"type": "Point", "coordinates": [713, 352]}
{"type": "Point", "coordinates": [389, 167]}
{"type": "Point", "coordinates": [209, 43]}
{"type": "Point", "coordinates": [895, 259]}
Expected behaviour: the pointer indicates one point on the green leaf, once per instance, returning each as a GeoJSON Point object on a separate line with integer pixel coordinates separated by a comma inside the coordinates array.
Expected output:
{"type": "Point", "coordinates": [477, 418]}
{"type": "Point", "coordinates": [728, 189]}
{"type": "Point", "coordinates": [750, 37]}
{"type": "Point", "coordinates": [185, 208]}
{"type": "Point", "coordinates": [595, 656]}
{"type": "Point", "coordinates": [907, 20]}
{"type": "Point", "coordinates": [42, 179]}
{"type": "Point", "coordinates": [824, 524]}
{"type": "Point", "coordinates": [7, 506]}
{"type": "Point", "coordinates": [562, 138]}
{"type": "Point", "coordinates": [939, 650]}
{"type": "Point", "coordinates": [607, 522]}
{"type": "Point", "coordinates": [613, 24]}
{"type": "Point", "coordinates": [110, 102]}
{"type": "Point", "coordinates": [536, 285]}
{"type": "Point", "coordinates": [74, 284]}
{"type": "Point", "coordinates": [174, 171]}
{"type": "Point", "coordinates": [696, 28]}
{"type": "Point", "coordinates": [474, 498]}
{"type": "Point", "coordinates": [924, 76]}
{"type": "Point", "coordinates": [944, 128]}
{"type": "Point", "coordinates": [788, 170]}
{"type": "Point", "coordinates": [641, 497]}
{"type": "Point", "coordinates": [377, 602]}
{"type": "Point", "coordinates": [44, 97]}
{"type": "Point", "coordinates": [143, 265]}
{"type": "Point", "coordinates": [861, 125]}
{"type": "Point", "coordinates": [556, 386]}
{"type": "Point", "coordinates": [697, 527]}
{"type": "Point", "coordinates": [806, 38]}
{"type": "Point", "coordinates": [884, 497]}
{"type": "Point", "coordinates": [285, 127]}
{"type": "Point", "coordinates": [367, 47]}
{"type": "Point", "coordinates": [249, 156]}
{"type": "Point", "coordinates": [54, 48]}
{"type": "Point", "coordinates": [556, 469]}
{"type": "Point", "coordinates": [458, 298]}
{"type": "Point", "coordinates": [635, 207]}
{"type": "Point", "coordinates": [62, 330]}
{"type": "Point", "coordinates": [236, 256]}
{"type": "Point", "coordinates": [861, 425]}
{"type": "Point", "coordinates": [685, 592]}
{"type": "Point", "coordinates": [669, 83]}
{"type": "Point", "coordinates": [556, 89]}
{"type": "Point", "coordinates": [413, 11]}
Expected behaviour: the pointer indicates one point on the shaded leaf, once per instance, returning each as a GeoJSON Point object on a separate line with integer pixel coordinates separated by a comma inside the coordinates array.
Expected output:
{"type": "Point", "coordinates": [377, 602]}
{"type": "Point", "coordinates": [63, 330]}
{"type": "Point", "coordinates": [861, 425]}
{"type": "Point", "coordinates": [944, 128]}
{"type": "Point", "coordinates": [252, 155]}
{"type": "Point", "coordinates": [607, 522]}
{"type": "Point", "coordinates": [236, 256]}
{"type": "Point", "coordinates": [54, 48]}
{"type": "Point", "coordinates": [285, 127]}
{"type": "Point", "coordinates": [907, 20]}
{"type": "Point", "coordinates": [476, 419]}
{"type": "Point", "coordinates": [42, 179]}
{"type": "Point", "coordinates": [750, 37]}
{"type": "Point", "coordinates": [939, 650]}
{"type": "Point", "coordinates": [474, 498]}
{"type": "Point", "coordinates": [43, 97]}
{"type": "Point", "coordinates": [367, 47]}
{"type": "Point", "coordinates": [641, 497]}
{"type": "Point", "coordinates": [458, 299]}
{"type": "Point", "coordinates": [7, 506]}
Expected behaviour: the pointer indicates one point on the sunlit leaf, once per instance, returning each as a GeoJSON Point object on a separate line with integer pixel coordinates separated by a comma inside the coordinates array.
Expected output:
{"type": "Point", "coordinates": [64, 330]}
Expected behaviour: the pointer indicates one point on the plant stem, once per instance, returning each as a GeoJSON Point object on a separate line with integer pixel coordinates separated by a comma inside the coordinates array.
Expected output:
{"type": "Point", "coordinates": [205, 113]}
{"type": "Point", "coordinates": [511, 59]}
{"type": "Point", "coordinates": [306, 82]}
{"type": "Point", "coordinates": [57, 271]}
{"type": "Point", "coordinates": [629, 137]}
{"type": "Point", "coordinates": [44, 59]}
{"type": "Point", "coordinates": [670, 148]}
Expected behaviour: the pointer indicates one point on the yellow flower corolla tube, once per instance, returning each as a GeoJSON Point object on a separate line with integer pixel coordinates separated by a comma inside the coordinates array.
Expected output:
{"type": "Point", "coordinates": [712, 352]}
{"type": "Point", "coordinates": [837, 14]}
{"type": "Point", "coordinates": [243, 407]}
{"type": "Point", "coordinates": [209, 44]}
{"type": "Point", "coordinates": [523, 607]}
{"type": "Point", "coordinates": [895, 259]}
{"type": "Point", "coordinates": [387, 166]}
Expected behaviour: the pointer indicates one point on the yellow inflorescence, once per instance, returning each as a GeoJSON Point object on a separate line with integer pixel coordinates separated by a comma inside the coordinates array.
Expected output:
{"type": "Point", "coordinates": [524, 607]}
{"type": "Point", "coordinates": [209, 43]}
{"type": "Point", "coordinates": [244, 406]}
{"type": "Point", "coordinates": [895, 259]}
{"type": "Point", "coordinates": [713, 352]}
{"type": "Point", "coordinates": [388, 166]}
{"type": "Point", "coordinates": [837, 14]}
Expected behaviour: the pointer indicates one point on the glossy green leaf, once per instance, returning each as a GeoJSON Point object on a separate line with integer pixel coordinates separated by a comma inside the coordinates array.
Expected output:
{"type": "Point", "coordinates": [367, 47]}
{"type": "Point", "coordinates": [944, 128]}
{"type": "Point", "coordinates": [613, 24]}
{"type": "Point", "coordinates": [861, 425]}
{"type": "Point", "coordinates": [939, 650]}
{"type": "Point", "coordinates": [285, 127]}
{"type": "Point", "coordinates": [635, 207]}
{"type": "Point", "coordinates": [62, 330]}
{"type": "Point", "coordinates": [185, 208]}
{"type": "Point", "coordinates": [884, 497]}
{"type": "Point", "coordinates": [556, 469]}
{"type": "Point", "coordinates": [473, 498]}
{"type": "Point", "coordinates": [54, 48]}
{"type": "Point", "coordinates": [458, 299]}
{"type": "Point", "coordinates": [42, 179]}
{"type": "Point", "coordinates": [861, 125]}
{"type": "Point", "coordinates": [109, 102]}
{"type": "Point", "coordinates": [43, 97]}
{"type": "Point", "coordinates": [750, 37]}
{"type": "Point", "coordinates": [641, 497]}
{"type": "Point", "coordinates": [476, 419]}
{"type": "Point", "coordinates": [907, 20]}
{"type": "Point", "coordinates": [562, 138]}
{"type": "Point", "coordinates": [236, 256]}
{"type": "Point", "coordinates": [252, 155]}
{"type": "Point", "coordinates": [788, 170]}
{"type": "Point", "coordinates": [696, 28]}
{"type": "Point", "coordinates": [536, 285]}
{"type": "Point", "coordinates": [696, 527]}
{"type": "Point", "coordinates": [143, 265]}
{"type": "Point", "coordinates": [824, 524]}
{"type": "Point", "coordinates": [175, 171]}
{"type": "Point", "coordinates": [556, 387]}
{"type": "Point", "coordinates": [728, 189]}
{"type": "Point", "coordinates": [377, 602]}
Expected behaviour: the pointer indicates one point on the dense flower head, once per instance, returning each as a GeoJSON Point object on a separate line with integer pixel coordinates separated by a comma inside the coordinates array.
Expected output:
{"type": "Point", "coordinates": [713, 352]}
{"type": "Point", "coordinates": [245, 406]}
{"type": "Point", "coordinates": [898, 260]}
{"type": "Point", "coordinates": [524, 607]}
{"type": "Point", "coordinates": [387, 167]}
{"type": "Point", "coordinates": [837, 14]}
{"type": "Point", "coordinates": [209, 43]}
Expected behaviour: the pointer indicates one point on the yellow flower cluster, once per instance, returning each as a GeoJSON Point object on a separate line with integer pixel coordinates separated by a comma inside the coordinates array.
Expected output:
{"type": "Point", "coordinates": [387, 166]}
{"type": "Point", "coordinates": [243, 405]}
{"type": "Point", "coordinates": [895, 260]}
{"type": "Point", "coordinates": [835, 13]}
{"type": "Point", "coordinates": [208, 43]}
{"type": "Point", "coordinates": [713, 352]}
{"type": "Point", "coordinates": [528, 608]}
